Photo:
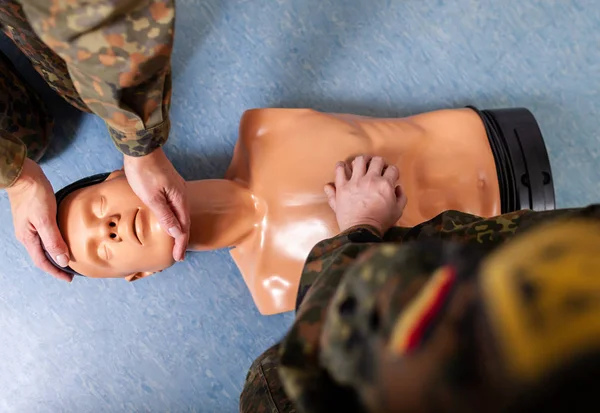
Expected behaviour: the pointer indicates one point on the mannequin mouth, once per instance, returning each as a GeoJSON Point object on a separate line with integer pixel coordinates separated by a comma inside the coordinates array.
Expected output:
{"type": "Point", "coordinates": [137, 227]}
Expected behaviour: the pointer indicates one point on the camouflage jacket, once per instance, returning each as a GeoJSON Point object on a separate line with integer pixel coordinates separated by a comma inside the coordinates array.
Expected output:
{"type": "Point", "coordinates": [443, 317]}
{"type": "Point", "coordinates": [111, 58]}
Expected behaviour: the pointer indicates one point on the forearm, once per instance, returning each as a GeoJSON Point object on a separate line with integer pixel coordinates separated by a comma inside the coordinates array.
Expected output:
{"type": "Point", "coordinates": [118, 56]}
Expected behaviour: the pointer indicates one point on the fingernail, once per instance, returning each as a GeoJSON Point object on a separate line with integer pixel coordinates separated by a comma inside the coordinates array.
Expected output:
{"type": "Point", "coordinates": [175, 232]}
{"type": "Point", "coordinates": [62, 260]}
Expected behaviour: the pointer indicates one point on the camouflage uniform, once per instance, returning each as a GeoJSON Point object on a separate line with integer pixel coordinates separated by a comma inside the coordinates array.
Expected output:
{"type": "Point", "coordinates": [108, 57]}
{"type": "Point", "coordinates": [444, 317]}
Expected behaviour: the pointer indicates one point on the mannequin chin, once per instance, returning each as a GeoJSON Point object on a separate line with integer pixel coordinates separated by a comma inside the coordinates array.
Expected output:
{"type": "Point", "coordinates": [111, 233]}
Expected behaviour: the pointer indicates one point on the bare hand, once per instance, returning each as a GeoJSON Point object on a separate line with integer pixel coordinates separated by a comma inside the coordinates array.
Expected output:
{"type": "Point", "coordinates": [156, 182]}
{"type": "Point", "coordinates": [366, 194]}
{"type": "Point", "coordinates": [33, 208]}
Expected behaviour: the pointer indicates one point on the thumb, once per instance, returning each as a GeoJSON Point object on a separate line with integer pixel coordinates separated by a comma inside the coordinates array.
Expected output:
{"type": "Point", "coordinates": [401, 199]}
{"type": "Point", "coordinates": [53, 242]}
{"type": "Point", "coordinates": [330, 193]}
{"type": "Point", "coordinates": [166, 217]}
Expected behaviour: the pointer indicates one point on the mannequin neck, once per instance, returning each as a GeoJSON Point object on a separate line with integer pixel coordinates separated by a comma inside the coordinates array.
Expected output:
{"type": "Point", "coordinates": [222, 214]}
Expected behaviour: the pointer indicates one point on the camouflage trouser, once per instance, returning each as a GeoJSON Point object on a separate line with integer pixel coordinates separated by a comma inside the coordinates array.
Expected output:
{"type": "Point", "coordinates": [264, 389]}
{"type": "Point", "coordinates": [23, 114]}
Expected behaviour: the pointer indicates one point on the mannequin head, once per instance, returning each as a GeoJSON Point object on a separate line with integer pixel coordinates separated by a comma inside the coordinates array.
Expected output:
{"type": "Point", "coordinates": [111, 233]}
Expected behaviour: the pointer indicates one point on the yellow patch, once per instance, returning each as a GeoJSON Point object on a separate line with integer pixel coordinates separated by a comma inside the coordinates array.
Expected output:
{"type": "Point", "coordinates": [542, 295]}
{"type": "Point", "coordinates": [388, 250]}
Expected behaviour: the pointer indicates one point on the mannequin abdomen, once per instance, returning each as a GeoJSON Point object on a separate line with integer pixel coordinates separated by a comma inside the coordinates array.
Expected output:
{"type": "Point", "coordinates": [444, 159]}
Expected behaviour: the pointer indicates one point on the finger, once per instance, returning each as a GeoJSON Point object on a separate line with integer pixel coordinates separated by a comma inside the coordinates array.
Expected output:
{"type": "Point", "coordinates": [35, 251]}
{"type": "Point", "coordinates": [359, 166]}
{"type": "Point", "coordinates": [376, 166]}
{"type": "Point", "coordinates": [401, 198]}
{"type": "Point", "coordinates": [392, 174]}
{"type": "Point", "coordinates": [330, 192]}
{"type": "Point", "coordinates": [341, 174]}
{"type": "Point", "coordinates": [165, 216]}
{"type": "Point", "coordinates": [51, 240]}
{"type": "Point", "coordinates": [180, 246]}
{"type": "Point", "coordinates": [180, 206]}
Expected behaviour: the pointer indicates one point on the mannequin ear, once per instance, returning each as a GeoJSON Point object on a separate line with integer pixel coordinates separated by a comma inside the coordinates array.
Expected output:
{"type": "Point", "coordinates": [138, 275]}
{"type": "Point", "coordinates": [116, 174]}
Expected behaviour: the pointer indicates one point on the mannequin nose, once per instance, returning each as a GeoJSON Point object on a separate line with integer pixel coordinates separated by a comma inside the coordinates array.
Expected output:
{"type": "Point", "coordinates": [110, 229]}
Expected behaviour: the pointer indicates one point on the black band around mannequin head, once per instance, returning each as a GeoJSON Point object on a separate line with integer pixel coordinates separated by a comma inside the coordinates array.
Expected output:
{"type": "Point", "coordinates": [65, 192]}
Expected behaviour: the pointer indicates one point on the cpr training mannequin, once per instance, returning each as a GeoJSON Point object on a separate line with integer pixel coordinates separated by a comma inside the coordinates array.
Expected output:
{"type": "Point", "coordinates": [271, 205]}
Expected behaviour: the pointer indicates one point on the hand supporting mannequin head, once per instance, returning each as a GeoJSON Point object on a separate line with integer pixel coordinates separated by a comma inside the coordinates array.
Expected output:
{"type": "Point", "coordinates": [111, 233]}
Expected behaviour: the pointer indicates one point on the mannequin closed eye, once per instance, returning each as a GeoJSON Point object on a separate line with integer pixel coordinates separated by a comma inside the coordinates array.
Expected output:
{"type": "Point", "coordinates": [104, 252]}
{"type": "Point", "coordinates": [99, 207]}
{"type": "Point", "coordinates": [99, 252]}
{"type": "Point", "coordinates": [102, 206]}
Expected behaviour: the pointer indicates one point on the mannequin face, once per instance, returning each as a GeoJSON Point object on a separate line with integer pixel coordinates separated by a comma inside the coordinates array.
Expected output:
{"type": "Point", "coordinates": [111, 233]}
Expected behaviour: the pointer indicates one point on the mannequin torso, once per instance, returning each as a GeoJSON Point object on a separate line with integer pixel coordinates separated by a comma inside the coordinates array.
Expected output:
{"type": "Point", "coordinates": [272, 208]}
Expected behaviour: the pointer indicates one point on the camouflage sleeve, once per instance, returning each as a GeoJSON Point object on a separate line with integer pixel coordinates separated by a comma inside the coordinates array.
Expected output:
{"type": "Point", "coordinates": [118, 56]}
{"type": "Point", "coordinates": [448, 226]}
{"type": "Point", "coordinates": [327, 253]}
{"type": "Point", "coordinates": [483, 232]}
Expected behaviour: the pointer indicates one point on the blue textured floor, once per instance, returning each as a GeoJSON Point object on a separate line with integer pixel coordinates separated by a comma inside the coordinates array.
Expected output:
{"type": "Point", "coordinates": [183, 340]}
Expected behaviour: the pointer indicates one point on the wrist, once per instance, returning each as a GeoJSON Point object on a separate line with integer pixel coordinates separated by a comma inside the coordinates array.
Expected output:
{"type": "Point", "coordinates": [139, 142]}
{"type": "Point", "coordinates": [24, 178]}
{"type": "Point", "coordinates": [128, 159]}
{"type": "Point", "coordinates": [366, 223]}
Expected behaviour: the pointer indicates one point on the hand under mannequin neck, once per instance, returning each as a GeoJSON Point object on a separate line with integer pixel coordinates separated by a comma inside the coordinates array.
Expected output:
{"type": "Point", "coordinates": [271, 206]}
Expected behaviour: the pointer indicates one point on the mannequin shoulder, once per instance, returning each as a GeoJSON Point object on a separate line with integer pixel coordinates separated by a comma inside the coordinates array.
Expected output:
{"type": "Point", "coordinates": [448, 119]}
{"type": "Point", "coordinates": [261, 123]}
